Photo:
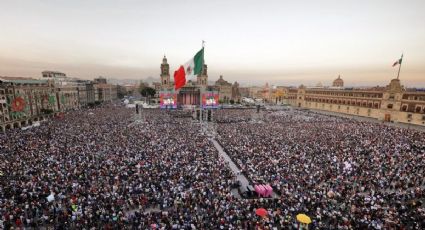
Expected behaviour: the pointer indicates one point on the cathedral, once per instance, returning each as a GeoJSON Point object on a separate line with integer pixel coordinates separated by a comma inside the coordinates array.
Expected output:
{"type": "Point", "coordinates": [190, 93]}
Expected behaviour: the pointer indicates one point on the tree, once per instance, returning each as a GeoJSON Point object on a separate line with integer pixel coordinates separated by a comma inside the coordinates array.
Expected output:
{"type": "Point", "coordinates": [142, 85]}
{"type": "Point", "coordinates": [147, 91]}
{"type": "Point", "coordinates": [232, 101]}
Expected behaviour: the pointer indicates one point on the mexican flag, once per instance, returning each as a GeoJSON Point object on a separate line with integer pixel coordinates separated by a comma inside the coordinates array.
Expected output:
{"type": "Point", "coordinates": [189, 70]}
{"type": "Point", "coordinates": [399, 61]}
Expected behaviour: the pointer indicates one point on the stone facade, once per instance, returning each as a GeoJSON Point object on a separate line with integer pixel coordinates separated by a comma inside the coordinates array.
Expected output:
{"type": "Point", "coordinates": [165, 75]}
{"type": "Point", "coordinates": [105, 92]}
{"type": "Point", "coordinates": [24, 101]}
{"type": "Point", "coordinates": [202, 79]}
{"type": "Point", "coordinates": [236, 95]}
{"type": "Point", "coordinates": [227, 91]}
{"type": "Point", "coordinates": [224, 90]}
{"type": "Point", "coordinates": [392, 103]}
{"type": "Point", "coordinates": [66, 89]}
{"type": "Point", "coordinates": [67, 97]}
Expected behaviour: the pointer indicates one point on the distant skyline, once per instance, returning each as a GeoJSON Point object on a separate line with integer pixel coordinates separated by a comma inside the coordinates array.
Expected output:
{"type": "Point", "coordinates": [252, 42]}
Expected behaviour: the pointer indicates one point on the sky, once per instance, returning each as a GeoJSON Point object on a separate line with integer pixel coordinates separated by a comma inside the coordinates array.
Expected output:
{"type": "Point", "coordinates": [252, 42]}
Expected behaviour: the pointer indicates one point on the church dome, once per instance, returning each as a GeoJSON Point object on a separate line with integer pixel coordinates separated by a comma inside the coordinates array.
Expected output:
{"type": "Point", "coordinates": [338, 82]}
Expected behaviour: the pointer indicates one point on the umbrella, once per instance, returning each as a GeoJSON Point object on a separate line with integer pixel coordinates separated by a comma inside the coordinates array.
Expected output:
{"type": "Point", "coordinates": [303, 218]}
{"type": "Point", "coordinates": [261, 212]}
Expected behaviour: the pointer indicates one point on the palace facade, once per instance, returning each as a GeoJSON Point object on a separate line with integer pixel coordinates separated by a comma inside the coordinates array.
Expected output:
{"type": "Point", "coordinates": [391, 103]}
{"type": "Point", "coordinates": [24, 101]}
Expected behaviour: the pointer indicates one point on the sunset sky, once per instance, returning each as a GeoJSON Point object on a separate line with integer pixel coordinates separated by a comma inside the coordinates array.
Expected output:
{"type": "Point", "coordinates": [253, 42]}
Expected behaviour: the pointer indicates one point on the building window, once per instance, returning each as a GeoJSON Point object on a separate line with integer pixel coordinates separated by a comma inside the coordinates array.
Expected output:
{"type": "Point", "coordinates": [390, 106]}
{"type": "Point", "coordinates": [409, 116]}
{"type": "Point", "coordinates": [404, 108]}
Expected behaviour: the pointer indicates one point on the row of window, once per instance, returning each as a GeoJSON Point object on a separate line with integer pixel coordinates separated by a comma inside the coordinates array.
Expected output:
{"type": "Point", "coordinates": [413, 109]}
{"type": "Point", "coordinates": [340, 94]}
{"type": "Point", "coordinates": [368, 104]}
{"type": "Point", "coordinates": [414, 97]}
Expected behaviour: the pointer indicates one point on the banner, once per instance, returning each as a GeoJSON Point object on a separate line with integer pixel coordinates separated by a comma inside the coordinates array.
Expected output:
{"type": "Point", "coordinates": [210, 100]}
{"type": "Point", "coordinates": [168, 100]}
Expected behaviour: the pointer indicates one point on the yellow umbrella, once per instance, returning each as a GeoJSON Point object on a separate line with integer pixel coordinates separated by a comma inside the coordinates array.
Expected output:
{"type": "Point", "coordinates": [303, 218]}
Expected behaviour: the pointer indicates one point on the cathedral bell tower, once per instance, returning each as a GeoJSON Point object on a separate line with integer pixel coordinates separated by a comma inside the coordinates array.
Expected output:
{"type": "Point", "coordinates": [165, 73]}
{"type": "Point", "coordinates": [202, 79]}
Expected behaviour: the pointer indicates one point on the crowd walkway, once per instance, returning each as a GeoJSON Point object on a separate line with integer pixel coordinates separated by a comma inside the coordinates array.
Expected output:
{"type": "Point", "coordinates": [244, 182]}
{"type": "Point", "coordinates": [240, 177]}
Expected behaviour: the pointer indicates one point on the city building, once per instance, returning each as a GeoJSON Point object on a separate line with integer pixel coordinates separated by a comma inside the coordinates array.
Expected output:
{"type": "Point", "coordinates": [66, 89]}
{"type": "Point", "coordinates": [227, 92]}
{"type": "Point", "coordinates": [278, 95]}
{"type": "Point", "coordinates": [24, 101]}
{"type": "Point", "coordinates": [85, 93]}
{"type": "Point", "coordinates": [236, 95]}
{"type": "Point", "coordinates": [100, 80]}
{"type": "Point", "coordinates": [49, 75]}
{"type": "Point", "coordinates": [391, 103]}
{"type": "Point", "coordinates": [68, 96]}
{"type": "Point", "coordinates": [224, 90]}
{"type": "Point", "coordinates": [244, 91]}
{"type": "Point", "coordinates": [105, 92]}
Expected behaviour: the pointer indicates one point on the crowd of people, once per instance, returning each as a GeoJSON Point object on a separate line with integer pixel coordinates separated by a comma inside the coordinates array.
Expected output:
{"type": "Point", "coordinates": [110, 168]}
{"type": "Point", "coordinates": [107, 168]}
{"type": "Point", "coordinates": [343, 172]}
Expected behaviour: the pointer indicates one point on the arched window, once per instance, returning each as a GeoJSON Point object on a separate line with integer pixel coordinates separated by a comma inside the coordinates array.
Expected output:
{"type": "Point", "coordinates": [404, 108]}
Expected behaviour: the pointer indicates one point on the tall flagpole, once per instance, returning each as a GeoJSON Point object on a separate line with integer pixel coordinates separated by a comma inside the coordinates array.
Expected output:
{"type": "Point", "coordinates": [200, 86]}
{"type": "Point", "coordinates": [399, 66]}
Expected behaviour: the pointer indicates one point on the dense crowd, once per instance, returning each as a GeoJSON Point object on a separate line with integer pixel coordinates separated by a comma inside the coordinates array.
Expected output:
{"type": "Point", "coordinates": [106, 168]}
{"type": "Point", "coordinates": [344, 173]}
{"type": "Point", "coordinates": [110, 168]}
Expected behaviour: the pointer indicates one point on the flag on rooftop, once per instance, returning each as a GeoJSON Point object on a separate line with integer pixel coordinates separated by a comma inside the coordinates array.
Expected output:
{"type": "Point", "coordinates": [398, 62]}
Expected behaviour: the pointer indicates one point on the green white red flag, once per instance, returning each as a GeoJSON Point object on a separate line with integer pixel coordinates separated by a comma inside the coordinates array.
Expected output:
{"type": "Point", "coordinates": [189, 70]}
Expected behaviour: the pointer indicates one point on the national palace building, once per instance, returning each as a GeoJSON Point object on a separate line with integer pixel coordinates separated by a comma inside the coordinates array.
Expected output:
{"type": "Point", "coordinates": [392, 103]}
